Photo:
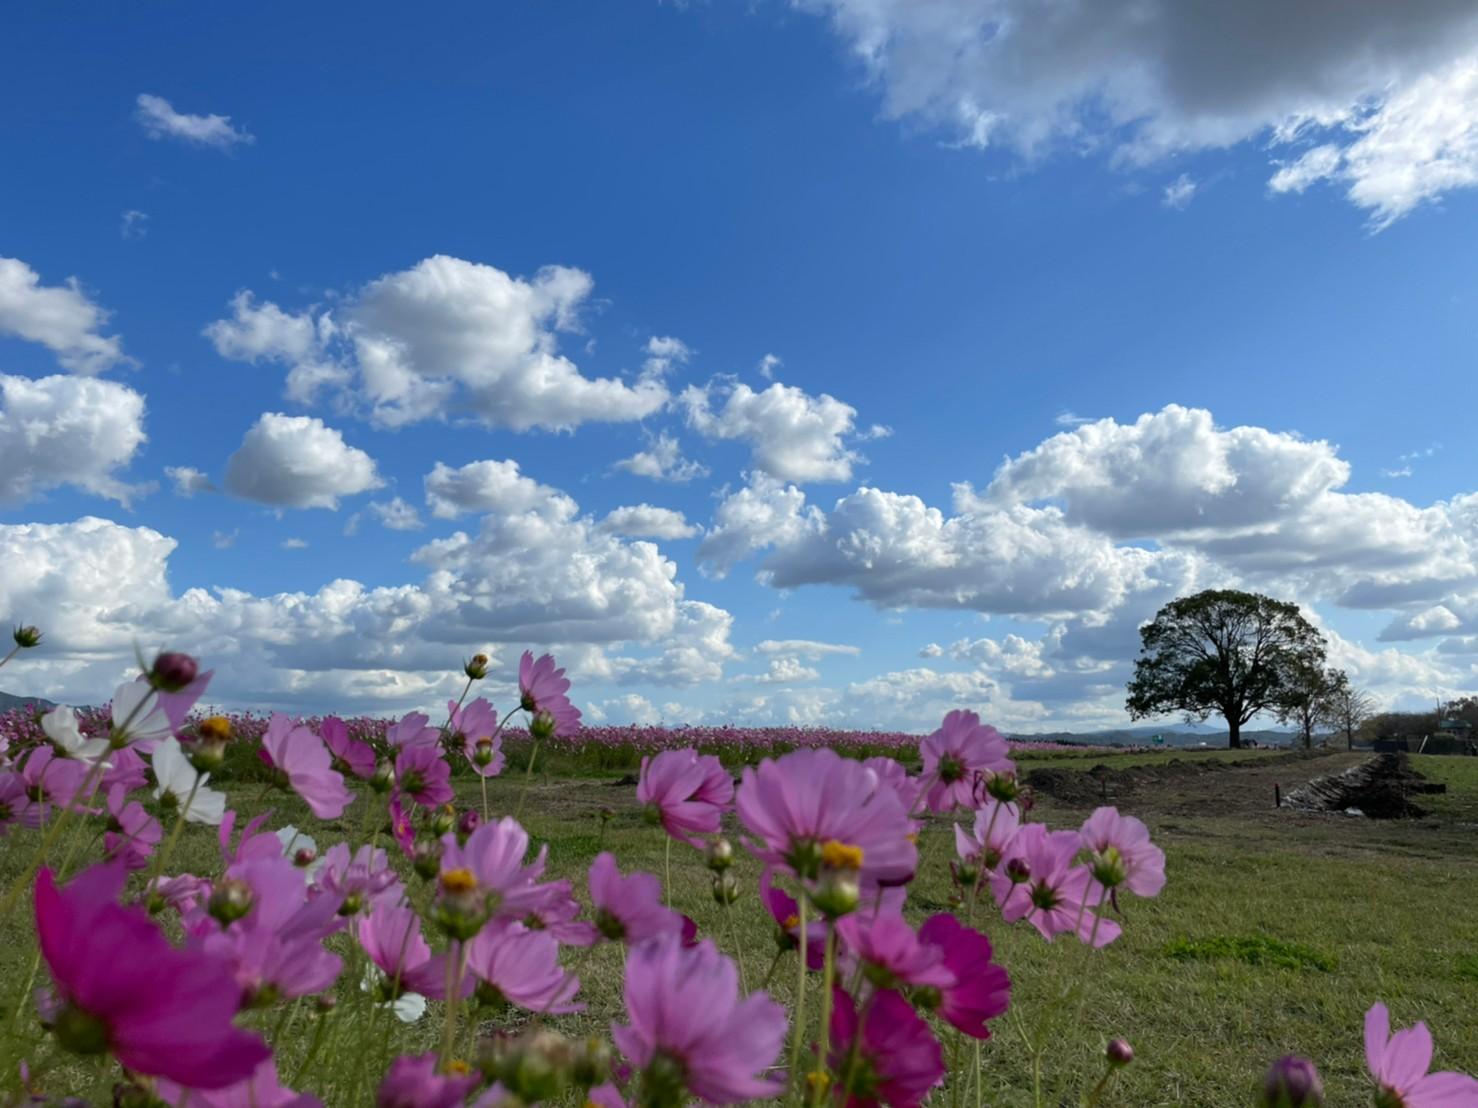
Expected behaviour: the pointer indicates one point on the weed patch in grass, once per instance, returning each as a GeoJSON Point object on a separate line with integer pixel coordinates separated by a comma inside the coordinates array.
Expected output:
{"type": "Point", "coordinates": [1254, 950]}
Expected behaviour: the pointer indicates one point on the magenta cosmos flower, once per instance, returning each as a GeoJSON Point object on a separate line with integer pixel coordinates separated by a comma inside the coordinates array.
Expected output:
{"type": "Point", "coordinates": [413, 1082]}
{"type": "Point", "coordinates": [160, 1011]}
{"type": "Point", "coordinates": [1122, 853]}
{"type": "Point", "coordinates": [689, 791]}
{"type": "Point", "coordinates": [689, 1029]}
{"type": "Point", "coordinates": [896, 1059]}
{"type": "Point", "coordinates": [473, 729]}
{"type": "Point", "coordinates": [349, 755]}
{"type": "Point", "coordinates": [359, 880]}
{"type": "Point", "coordinates": [954, 755]}
{"type": "Point", "coordinates": [783, 907]}
{"type": "Point", "coordinates": [521, 967]}
{"type": "Point", "coordinates": [629, 909]}
{"type": "Point", "coordinates": [543, 688]}
{"type": "Point", "coordinates": [891, 953]}
{"type": "Point", "coordinates": [391, 936]}
{"type": "Point", "coordinates": [892, 775]}
{"type": "Point", "coordinates": [813, 802]}
{"type": "Point", "coordinates": [300, 756]}
{"type": "Point", "coordinates": [413, 730]}
{"type": "Point", "coordinates": [1399, 1065]}
{"type": "Point", "coordinates": [262, 1089]}
{"type": "Point", "coordinates": [489, 874]}
{"type": "Point", "coordinates": [981, 989]}
{"type": "Point", "coordinates": [132, 833]}
{"type": "Point", "coordinates": [995, 823]}
{"type": "Point", "coordinates": [1039, 881]}
{"type": "Point", "coordinates": [422, 775]}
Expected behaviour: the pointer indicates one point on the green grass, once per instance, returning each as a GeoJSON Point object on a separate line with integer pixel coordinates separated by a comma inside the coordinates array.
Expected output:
{"type": "Point", "coordinates": [1275, 932]}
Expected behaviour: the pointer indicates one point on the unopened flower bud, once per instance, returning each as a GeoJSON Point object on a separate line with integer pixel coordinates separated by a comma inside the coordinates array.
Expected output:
{"type": "Point", "coordinates": [536, 1067]}
{"type": "Point", "coordinates": [444, 819]}
{"type": "Point", "coordinates": [1108, 867]}
{"type": "Point", "coordinates": [426, 858]}
{"type": "Point", "coordinates": [1119, 1052]}
{"type": "Point", "coordinates": [1292, 1082]}
{"type": "Point", "coordinates": [383, 779]}
{"type": "Point", "coordinates": [303, 857]}
{"type": "Point", "coordinates": [719, 855]}
{"type": "Point", "coordinates": [837, 893]}
{"type": "Point", "coordinates": [26, 637]}
{"type": "Point", "coordinates": [461, 908]}
{"type": "Point", "coordinates": [483, 752]}
{"type": "Point", "coordinates": [325, 1003]}
{"type": "Point", "coordinates": [1002, 787]}
{"type": "Point", "coordinates": [725, 889]}
{"type": "Point", "coordinates": [230, 900]}
{"type": "Point", "coordinates": [966, 873]}
{"type": "Point", "coordinates": [477, 667]}
{"type": "Point", "coordinates": [541, 726]}
{"type": "Point", "coordinates": [206, 749]}
{"type": "Point", "coordinates": [592, 1063]}
{"type": "Point", "coordinates": [1018, 871]}
{"type": "Point", "coordinates": [172, 671]}
{"type": "Point", "coordinates": [466, 824]}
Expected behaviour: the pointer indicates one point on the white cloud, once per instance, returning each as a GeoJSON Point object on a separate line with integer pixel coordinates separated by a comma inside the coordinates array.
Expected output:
{"type": "Point", "coordinates": [298, 462]}
{"type": "Point", "coordinates": [763, 513]}
{"type": "Point", "coordinates": [1388, 88]}
{"type": "Point", "coordinates": [664, 353]}
{"type": "Point", "coordinates": [159, 120]}
{"type": "Point", "coordinates": [134, 225]}
{"type": "Point", "coordinates": [396, 514]}
{"type": "Point", "coordinates": [931, 650]}
{"type": "Point", "coordinates": [785, 671]}
{"type": "Point", "coordinates": [767, 366]}
{"type": "Point", "coordinates": [445, 339]}
{"type": "Point", "coordinates": [1179, 193]}
{"type": "Point", "coordinates": [663, 461]}
{"type": "Point", "coordinates": [629, 709]}
{"type": "Point", "coordinates": [188, 480]}
{"type": "Point", "coordinates": [806, 648]}
{"type": "Point", "coordinates": [59, 317]}
{"type": "Point", "coordinates": [490, 486]}
{"type": "Point", "coordinates": [1071, 419]}
{"type": "Point", "coordinates": [224, 540]}
{"type": "Point", "coordinates": [793, 436]}
{"type": "Point", "coordinates": [644, 521]}
{"type": "Point", "coordinates": [62, 430]}
{"type": "Point", "coordinates": [294, 544]}
{"type": "Point", "coordinates": [1399, 471]}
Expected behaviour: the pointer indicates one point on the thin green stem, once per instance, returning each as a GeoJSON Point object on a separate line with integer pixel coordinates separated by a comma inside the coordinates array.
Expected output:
{"type": "Point", "coordinates": [484, 782]}
{"type": "Point", "coordinates": [527, 778]}
{"type": "Point", "coordinates": [453, 996]}
{"type": "Point", "coordinates": [14, 650]}
{"type": "Point", "coordinates": [734, 938]}
{"type": "Point", "coordinates": [23, 881]}
{"type": "Point", "coordinates": [313, 1045]}
{"type": "Point", "coordinates": [823, 1048]}
{"type": "Point", "coordinates": [667, 870]}
{"type": "Point", "coordinates": [798, 1032]}
{"type": "Point", "coordinates": [162, 858]}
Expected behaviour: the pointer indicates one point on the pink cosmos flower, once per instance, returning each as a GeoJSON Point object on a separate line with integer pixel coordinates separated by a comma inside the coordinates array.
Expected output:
{"type": "Point", "coordinates": [953, 755]}
{"type": "Point", "coordinates": [995, 823]}
{"type": "Point", "coordinates": [893, 775]}
{"type": "Point", "coordinates": [689, 1025]}
{"type": "Point", "coordinates": [160, 1011]}
{"type": "Point", "coordinates": [413, 730]}
{"type": "Point", "coordinates": [783, 907]}
{"type": "Point", "coordinates": [13, 802]}
{"type": "Point", "coordinates": [689, 791]}
{"type": "Point", "coordinates": [132, 833]}
{"type": "Point", "coordinates": [126, 768]}
{"type": "Point", "coordinates": [350, 755]}
{"type": "Point", "coordinates": [261, 1090]}
{"type": "Point", "coordinates": [1399, 1065]}
{"type": "Point", "coordinates": [50, 781]}
{"type": "Point", "coordinates": [253, 843]}
{"type": "Point", "coordinates": [522, 967]}
{"type": "Point", "coordinates": [1123, 854]}
{"type": "Point", "coordinates": [422, 775]}
{"type": "Point", "coordinates": [542, 688]}
{"type": "Point", "coordinates": [301, 756]}
{"type": "Point", "coordinates": [897, 1058]}
{"type": "Point", "coordinates": [1055, 893]}
{"type": "Point", "coordinates": [391, 936]}
{"type": "Point", "coordinates": [810, 800]}
{"type": "Point", "coordinates": [474, 729]}
{"type": "Point", "coordinates": [981, 989]}
{"type": "Point", "coordinates": [493, 858]}
{"type": "Point", "coordinates": [891, 953]}
{"type": "Point", "coordinates": [359, 880]}
{"type": "Point", "coordinates": [181, 893]}
{"type": "Point", "coordinates": [628, 909]}
{"type": "Point", "coordinates": [556, 912]}
{"type": "Point", "coordinates": [413, 1082]}
{"type": "Point", "coordinates": [401, 827]}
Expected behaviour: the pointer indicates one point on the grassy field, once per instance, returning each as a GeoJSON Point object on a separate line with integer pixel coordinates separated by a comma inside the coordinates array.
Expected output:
{"type": "Point", "coordinates": [1275, 933]}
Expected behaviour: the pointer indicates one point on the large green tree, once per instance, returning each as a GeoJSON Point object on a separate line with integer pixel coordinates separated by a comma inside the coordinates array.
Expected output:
{"type": "Point", "coordinates": [1223, 652]}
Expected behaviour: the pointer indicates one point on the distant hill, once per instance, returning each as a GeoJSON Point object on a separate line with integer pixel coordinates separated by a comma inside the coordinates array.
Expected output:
{"type": "Point", "coordinates": [1143, 736]}
{"type": "Point", "coordinates": [9, 701]}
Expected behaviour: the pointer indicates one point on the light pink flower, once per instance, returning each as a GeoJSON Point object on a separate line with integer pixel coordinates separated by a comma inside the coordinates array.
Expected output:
{"type": "Point", "coordinates": [955, 754]}
{"type": "Point", "coordinates": [1399, 1065]}
{"type": "Point", "coordinates": [995, 823]}
{"type": "Point", "coordinates": [522, 967]}
{"type": "Point", "coordinates": [307, 765]}
{"type": "Point", "coordinates": [543, 688]}
{"type": "Point", "coordinates": [350, 755]}
{"type": "Point", "coordinates": [423, 775]}
{"type": "Point", "coordinates": [890, 953]}
{"type": "Point", "coordinates": [1055, 894]}
{"type": "Point", "coordinates": [159, 1011]}
{"type": "Point", "coordinates": [897, 1059]}
{"type": "Point", "coordinates": [686, 1018]}
{"type": "Point", "coordinates": [556, 912]}
{"type": "Point", "coordinates": [892, 774]}
{"type": "Point", "coordinates": [391, 936]}
{"type": "Point", "coordinates": [13, 801]}
{"type": "Point", "coordinates": [413, 730]}
{"type": "Point", "coordinates": [981, 989]}
{"type": "Point", "coordinates": [51, 782]}
{"type": "Point", "coordinates": [474, 729]}
{"type": "Point", "coordinates": [1122, 853]}
{"type": "Point", "coordinates": [261, 1090]}
{"type": "Point", "coordinates": [359, 880]}
{"type": "Point", "coordinates": [413, 1082]}
{"type": "Point", "coordinates": [689, 791]}
{"type": "Point", "coordinates": [494, 857]}
{"type": "Point", "coordinates": [126, 768]}
{"type": "Point", "coordinates": [628, 909]}
{"type": "Point", "coordinates": [132, 833]}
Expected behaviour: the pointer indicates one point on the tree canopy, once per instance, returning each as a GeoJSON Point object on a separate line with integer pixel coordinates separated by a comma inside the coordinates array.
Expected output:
{"type": "Point", "coordinates": [1224, 652]}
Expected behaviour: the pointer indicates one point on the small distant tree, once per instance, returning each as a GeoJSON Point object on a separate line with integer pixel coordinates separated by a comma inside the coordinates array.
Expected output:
{"type": "Point", "coordinates": [1225, 652]}
{"type": "Point", "coordinates": [1310, 698]}
{"type": "Point", "coordinates": [1346, 707]}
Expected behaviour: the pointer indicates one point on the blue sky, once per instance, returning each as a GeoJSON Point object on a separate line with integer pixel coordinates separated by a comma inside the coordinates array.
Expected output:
{"type": "Point", "coordinates": [1207, 324]}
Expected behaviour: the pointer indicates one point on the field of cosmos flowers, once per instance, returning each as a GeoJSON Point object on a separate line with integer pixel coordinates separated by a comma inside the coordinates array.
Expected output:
{"type": "Point", "coordinates": [207, 911]}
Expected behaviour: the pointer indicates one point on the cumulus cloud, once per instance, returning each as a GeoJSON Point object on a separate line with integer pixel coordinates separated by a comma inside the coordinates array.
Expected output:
{"type": "Point", "coordinates": [294, 544]}
{"type": "Point", "coordinates": [664, 353]}
{"type": "Point", "coordinates": [806, 648]}
{"type": "Point", "coordinates": [188, 480]}
{"type": "Point", "coordinates": [762, 513]}
{"type": "Point", "coordinates": [1179, 193]}
{"type": "Point", "coordinates": [396, 514]}
{"type": "Point", "coordinates": [298, 462]}
{"type": "Point", "coordinates": [490, 486]}
{"type": "Point", "coordinates": [1385, 90]}
{"type": "Point", "coordinates": [159, 120]}
{"type": "Point", "coordinates": [60, 430]}
{"type": "Point", "coordinates": [784, 671]}
{"type": "Point", "coordinates": [134, 224]}
{"type": "Point", "coordinates": [663, 461]}
{"type": "Point", "coordinates": [445, 339]}
{"type": "Point", "coordinates": [792, 435]}
{"type": "Point", "coordinates": [59, 317]}
{"type": "Point", "coordinates": [644, 521]}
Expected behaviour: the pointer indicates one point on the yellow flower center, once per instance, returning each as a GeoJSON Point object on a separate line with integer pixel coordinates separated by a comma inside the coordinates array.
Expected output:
{"type": "Point", "coordinates": [215, 729]}
{"type": "Point", "coordinates": [792, 921]}
{"type": "Point", "coordinates": [839, 855]}
{"type": "Point", "coordinates": [458, 881]}
{"type": "Point", "coordinates": [458, 1067]}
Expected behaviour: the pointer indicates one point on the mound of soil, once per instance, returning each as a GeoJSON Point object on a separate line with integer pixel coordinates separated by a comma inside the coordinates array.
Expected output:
{"type": "Point", "coordinates": [1379, 788]}
{"type": "Point", "coordinates": [1103, 784]}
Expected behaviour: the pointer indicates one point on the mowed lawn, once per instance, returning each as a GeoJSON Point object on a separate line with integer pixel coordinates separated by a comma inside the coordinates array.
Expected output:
{"type": "Point", "coordinates": [1274, 934]}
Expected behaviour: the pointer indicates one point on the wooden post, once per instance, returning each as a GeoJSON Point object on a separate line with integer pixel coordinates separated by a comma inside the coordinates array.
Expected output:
{"type": "Point", "coordinates": [1277, 796]}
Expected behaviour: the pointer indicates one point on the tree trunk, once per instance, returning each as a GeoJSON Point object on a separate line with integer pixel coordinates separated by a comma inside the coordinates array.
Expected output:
{"type": "Point", "coordinates": [1234, 733]}
{"type": "Point", "coordinates": [1349, 738]}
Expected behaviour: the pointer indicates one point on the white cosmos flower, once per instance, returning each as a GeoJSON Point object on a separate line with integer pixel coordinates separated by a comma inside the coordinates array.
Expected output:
{"type": "Point", "coordinates": [60, 725]}
{"type": "Point", "coordinates": [293, 841]}
{"type": "Point", "coordinates": [177, 777]}
{"type": "Point", "coordinates": [408, 1007]}
{"type": "Point", "coordinates": [138, 715]}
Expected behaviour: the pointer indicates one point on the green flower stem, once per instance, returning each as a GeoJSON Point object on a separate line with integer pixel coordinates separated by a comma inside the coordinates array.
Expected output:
{"type": "Point", "coordinates": [823, 1049]}
{"type": "Point", "coordinates": [527, 777]}
{"type": "Point", "coordinates": [798, 1032]}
